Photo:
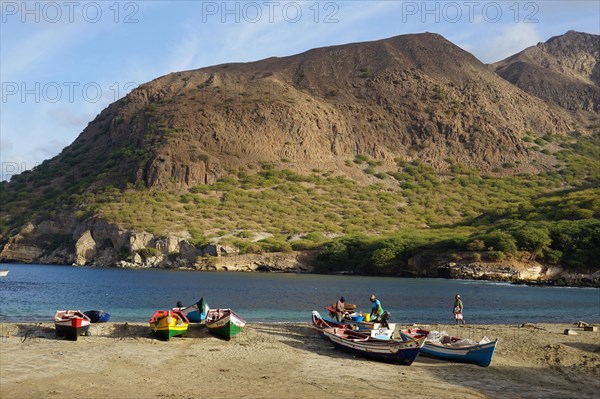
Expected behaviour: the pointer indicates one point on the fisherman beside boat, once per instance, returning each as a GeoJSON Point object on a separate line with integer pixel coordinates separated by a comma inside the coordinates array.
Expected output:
{"type": "Point", "coordinates": [340, 309]}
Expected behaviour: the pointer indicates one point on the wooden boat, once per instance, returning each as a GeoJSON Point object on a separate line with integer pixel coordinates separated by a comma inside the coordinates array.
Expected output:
{"type": "Point", "coordinates": [71, 324]}
{"type": "Point", "coordinates": [196, 312]}
{"type": "Point", "coordinates": [453, 348]}
{"type": "Point", "coordinates": [319, 324]}
{"type": "Point", "coordinates": [224, 323]}
{"type": "Point", "coordinates": [169, 323]}
{"type": "Point", "coordinates": [400, 352]}
{"type": "Point", "coordinates": [4, 273]}
{"type": "Point", "coordinates": [383, 332]}
{"type": "Point", "coordinates": [355, 321]}
{"type": "Point", "coordinates": [353, 318]}
{"type": "Point", "coordinates": [97, 316]}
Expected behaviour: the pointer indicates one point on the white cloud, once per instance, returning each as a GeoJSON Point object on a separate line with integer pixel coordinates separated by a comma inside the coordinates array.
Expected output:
{"type": "Point", "coordinates": [183, 55]}
{"type": "Point", "coordinates": [509, 40]}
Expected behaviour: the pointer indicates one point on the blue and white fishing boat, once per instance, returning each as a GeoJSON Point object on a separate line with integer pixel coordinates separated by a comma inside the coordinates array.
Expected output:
{"type": "Point", "coordinates": [454, 349]}
{"type": "Point", "coordinates": [195, 313]}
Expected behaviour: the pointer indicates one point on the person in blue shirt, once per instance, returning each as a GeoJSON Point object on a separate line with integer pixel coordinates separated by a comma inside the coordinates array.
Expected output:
{"type": "Point", "coordinates": [377, 310]}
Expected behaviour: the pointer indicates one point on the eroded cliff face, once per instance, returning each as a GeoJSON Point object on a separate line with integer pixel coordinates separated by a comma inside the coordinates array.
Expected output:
{"type": "Point", "coordinates": [95, 242]}
{"type": "Point", "coordinates": [470, 266]}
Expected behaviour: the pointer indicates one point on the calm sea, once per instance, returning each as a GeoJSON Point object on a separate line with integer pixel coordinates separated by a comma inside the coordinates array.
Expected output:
{"type": "Point", "coordinates": [35, 292]}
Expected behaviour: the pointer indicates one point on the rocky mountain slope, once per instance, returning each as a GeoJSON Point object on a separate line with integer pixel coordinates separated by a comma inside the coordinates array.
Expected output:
{"type": "Point", "coordinates": [563, 71]}
{"type": "Point", "coordinates": [413, 96]}
{"type": "Point", "coordinates": [404, 99]}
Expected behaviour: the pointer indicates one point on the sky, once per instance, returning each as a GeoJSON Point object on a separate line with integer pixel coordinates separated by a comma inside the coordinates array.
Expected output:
{"type": "Point", "coordinates": [62, 62]}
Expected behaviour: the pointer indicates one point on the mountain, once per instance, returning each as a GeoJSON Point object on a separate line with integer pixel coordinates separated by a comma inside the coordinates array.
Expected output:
{"type": "Point", "coordinates": [408, 96]}
{"type": "Point", "coordinates": [410, 131]}
{"type": "Point", "coordinates": [564, 71]}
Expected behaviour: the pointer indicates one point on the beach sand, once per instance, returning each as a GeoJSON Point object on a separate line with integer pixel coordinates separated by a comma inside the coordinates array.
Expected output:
{"type": "Point", "coordinates": [120, 360]}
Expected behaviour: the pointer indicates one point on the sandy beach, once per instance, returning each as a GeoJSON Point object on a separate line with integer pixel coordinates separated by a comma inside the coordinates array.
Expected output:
{"type": "Point", "coordinates": [123, 360]}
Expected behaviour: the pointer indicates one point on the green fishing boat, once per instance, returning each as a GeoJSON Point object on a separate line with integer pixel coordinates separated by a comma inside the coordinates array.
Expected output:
{"type": "Point", "coordinates": [224, 323]}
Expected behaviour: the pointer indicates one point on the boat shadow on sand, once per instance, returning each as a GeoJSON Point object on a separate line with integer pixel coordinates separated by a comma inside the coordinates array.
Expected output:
{"type": "Point", "coordinates": [138, 331]}
{"type": "Point", "coordinates": [300, 337]}
{"type": "Point", "coordinates": [36, 331]}
{"type": "Point", "coordinates": [583, 346]}
{"type": "Point", "coordinates": [30, 331]}
{"type": "Point", "coordinates": [120, 331]}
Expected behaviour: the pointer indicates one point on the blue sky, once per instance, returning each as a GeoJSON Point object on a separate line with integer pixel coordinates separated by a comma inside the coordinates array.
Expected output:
{"type": "Point", "coordinates": [62, 62]}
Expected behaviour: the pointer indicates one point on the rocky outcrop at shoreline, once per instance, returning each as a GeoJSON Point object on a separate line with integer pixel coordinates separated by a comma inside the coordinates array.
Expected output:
{"type": "Point", "coordinates": [95, 242]}
{"type": "Point", "coordinates": [509, 272]}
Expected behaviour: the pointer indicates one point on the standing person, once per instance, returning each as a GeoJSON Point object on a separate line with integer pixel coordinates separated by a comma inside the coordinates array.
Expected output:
{"type": "Point", "coordinates": [376, 310]}
{"type": "Point", "coordinates": [458, 310]}
{"type": "Point", "coordinates": [340, 309]}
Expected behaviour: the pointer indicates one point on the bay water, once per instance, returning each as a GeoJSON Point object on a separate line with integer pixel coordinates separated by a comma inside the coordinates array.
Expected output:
{"type": "Point", "coordinates": [32, 293]}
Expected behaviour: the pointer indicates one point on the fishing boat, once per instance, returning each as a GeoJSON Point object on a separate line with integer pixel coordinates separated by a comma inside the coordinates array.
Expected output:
{"type": "Point", "coordinates": [320, 324]}
{"type": "Point", "coordinates": [97, 316]}
{"type": "Point", "coordinates": [355, 319]}
{"type": "Point", "coordinates": [377, 331]}
{"type": "Point", "coordinates": [4, 273]}
{"type": "Point", "coordinates": [71, 323]}
{"type": "Point", "coordinates": [196, 312]}
{"type": "Point", "coordinates": [391, 350]}
{"type": "Point", "coordinates": [224, 323]}
{"type": "Point", "coordinates": [169, 323]}
{"type": "Point", "coordinates": [443, 346]}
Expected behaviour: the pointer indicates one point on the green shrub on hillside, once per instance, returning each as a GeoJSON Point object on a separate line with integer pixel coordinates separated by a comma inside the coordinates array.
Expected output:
{"type": "Point", "coordinates": [533, 239]}
{"type": "Point", "coordinates": [498, 240]}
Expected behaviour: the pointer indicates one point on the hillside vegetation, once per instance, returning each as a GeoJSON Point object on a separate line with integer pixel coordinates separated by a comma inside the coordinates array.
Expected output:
{"type": "Point", "coordinates": [553, 216]}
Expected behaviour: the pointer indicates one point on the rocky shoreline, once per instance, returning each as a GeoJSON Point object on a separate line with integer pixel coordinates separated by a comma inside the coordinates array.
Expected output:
{"type": "Point", "coordinates": [304, 261]}
{"type": "Point", "coordinates": [96, 242]}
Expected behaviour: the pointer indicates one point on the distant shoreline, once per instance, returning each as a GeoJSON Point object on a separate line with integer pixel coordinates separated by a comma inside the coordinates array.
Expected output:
{"type": "Point", "coordinates": [582, 283]}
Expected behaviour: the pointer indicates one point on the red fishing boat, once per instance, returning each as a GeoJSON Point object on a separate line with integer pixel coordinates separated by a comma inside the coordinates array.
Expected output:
{"type": "Point", "coordinates": [71, 324]}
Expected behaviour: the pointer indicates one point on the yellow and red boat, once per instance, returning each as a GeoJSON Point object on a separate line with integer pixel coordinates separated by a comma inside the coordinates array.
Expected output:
{"type": "Point", "coordinates": [169, 323]}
